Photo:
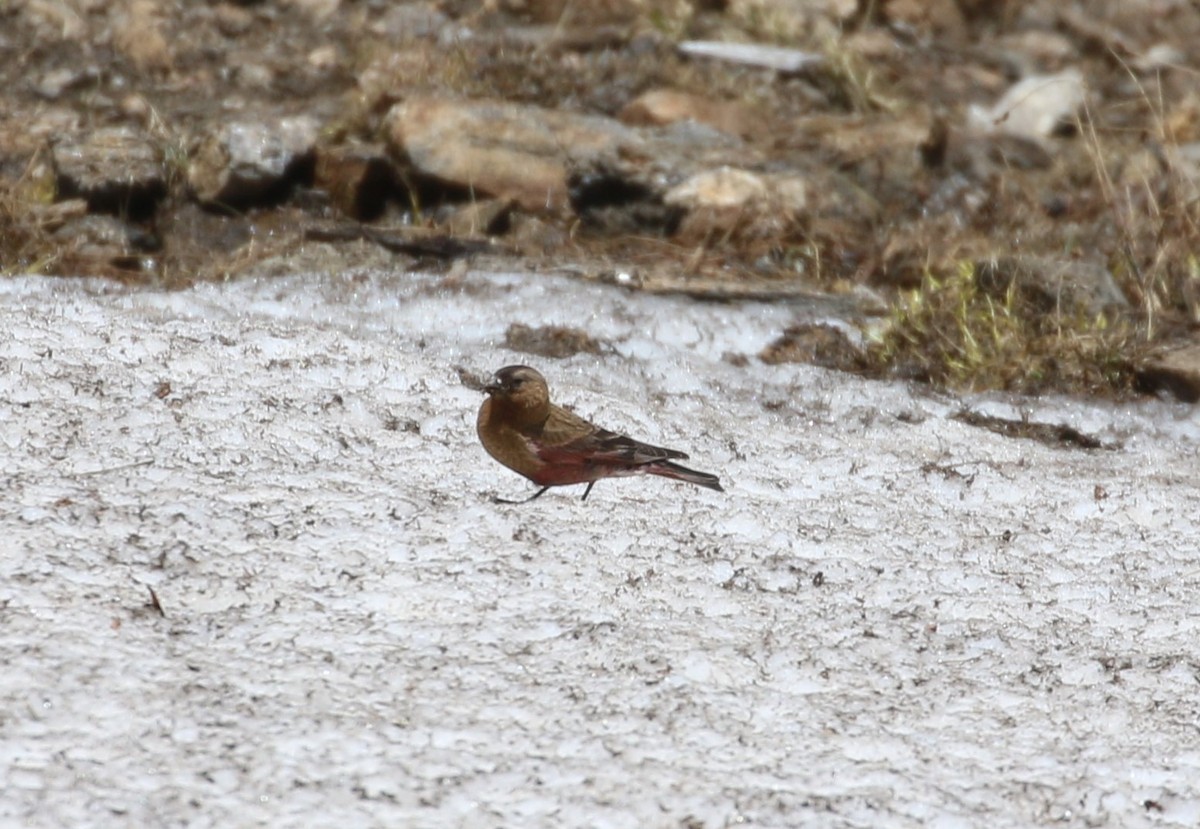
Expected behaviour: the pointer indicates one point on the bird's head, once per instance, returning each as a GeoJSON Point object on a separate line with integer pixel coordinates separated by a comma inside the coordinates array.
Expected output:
{"type": "Point", "coordinates": [519, 387]}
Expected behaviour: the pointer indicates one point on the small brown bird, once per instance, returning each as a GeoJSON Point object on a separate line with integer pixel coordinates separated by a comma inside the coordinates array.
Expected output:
{"type": "Point", "coordinates": [521, 428]}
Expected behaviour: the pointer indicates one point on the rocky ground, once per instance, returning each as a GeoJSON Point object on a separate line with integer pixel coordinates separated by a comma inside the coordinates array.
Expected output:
{"type": "Point", "coordinates": [999, 194]}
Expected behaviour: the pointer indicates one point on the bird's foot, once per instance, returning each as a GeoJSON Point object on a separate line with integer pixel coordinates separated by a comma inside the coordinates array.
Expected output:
{"type": "Point", "coordinates": [496, 499]}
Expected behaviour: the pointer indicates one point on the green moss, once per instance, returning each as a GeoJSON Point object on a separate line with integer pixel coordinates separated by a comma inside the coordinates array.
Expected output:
{"type": "Point", "coordinates": [953, 334]}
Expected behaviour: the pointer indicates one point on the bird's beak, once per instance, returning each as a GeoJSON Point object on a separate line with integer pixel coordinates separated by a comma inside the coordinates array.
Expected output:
{"type": "Point", "coordinates": [492, 385]}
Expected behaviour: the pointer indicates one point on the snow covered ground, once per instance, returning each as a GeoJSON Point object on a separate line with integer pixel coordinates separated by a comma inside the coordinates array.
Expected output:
{"type": "Point", "coordinates": [890, 619]}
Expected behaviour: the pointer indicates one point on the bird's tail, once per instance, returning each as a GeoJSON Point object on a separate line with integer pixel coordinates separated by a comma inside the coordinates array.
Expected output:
{"type": "Point", "coordinates": [681, 473]}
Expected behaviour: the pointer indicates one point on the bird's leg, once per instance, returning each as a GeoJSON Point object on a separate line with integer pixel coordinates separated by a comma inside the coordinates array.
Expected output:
{"type": "Point", "coordinates": [586, 491]}
{"type": "Point", "coordinates": [498, 500]}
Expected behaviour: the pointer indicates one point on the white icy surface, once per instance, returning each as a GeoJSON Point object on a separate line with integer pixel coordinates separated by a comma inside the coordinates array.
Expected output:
{"type": "Point", "coordinates": [355, 636]}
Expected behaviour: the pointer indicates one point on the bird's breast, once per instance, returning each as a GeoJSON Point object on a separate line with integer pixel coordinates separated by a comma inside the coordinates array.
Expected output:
{"type": "Point", "coordinates": [505, 443]}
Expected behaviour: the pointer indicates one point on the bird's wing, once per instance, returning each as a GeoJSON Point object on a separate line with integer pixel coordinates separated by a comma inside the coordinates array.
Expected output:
{"type": "Point", "coordinates": [563, 427]}
{"type": "Point", "coordinates": [568, 438]}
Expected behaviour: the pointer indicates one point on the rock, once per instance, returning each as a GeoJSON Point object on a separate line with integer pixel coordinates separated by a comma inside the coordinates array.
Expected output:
{"type": "Point", "coordinates": [57, 21]}
{"type": "Point", "coordinates": [1032, 50]}
{"type": "Point", "coordinates": [1094, 32]}
{"type": "Point", "coordinates": [732, 201]}
{"type": "Point", "coordinates": [317, 10]}
{"type": "Point", "coordinates": [1182, 119]}
{"type": "Point", "coordinates": [105, 246]}
{"type": "Point", "coordinates": [136, 108]}
{"type": "Point", "coordinates": [1053, 285]}
{"type": "Point", "coordinates": [941, 18]}
{"type": "Point", "coordinates": [782, 60]}
{"type": "Point", "coordinates": [1159, 57]}
{"type": "Point", "coordinates": [1183, 160]}
{"type": "Point", "coordinates": [726, 187]}
{"type": "Point", "coordinates": [968, 167]}
{"type": "Point", "coordinates": [232, 20]}
{"type": "Point", "coordinates": [541, 11]}
{"type": "Point", "coordinates": [566, 14]}
{"type": "Point", "coordinates": [409, 20]}
{"type": "Point", "coordinates": [659, 107]}
{"type": "Point", "coordinates": [246, 163]}
{"type": "Point", "coordinates": [116, 169]}
{"type": "Point", "coordinates": [843, 11]}
{"type": "Point", "coordinates": [789, 21]}
{"type": "Point", "coordinates": [533, 236]}
{"type": "Point", "coordinates": [490, 217]}
{"type": "Point", "coordinates": [871, 142]}
{"type": "Point", "coordinates": [57, 81]}
{"type": "Point", "coordinates": [51, 217]}
{"type": "Point", "coordinates": [871, 45]}
{"type": "Point", "coordinates": [586, 38]}
{"type": "Point", "coordinates": [1160, 174]}
{"type": "Point", "coordinates": [492, 148]}
{"type": "Point", "coordinates": [324, 59]}
{"type": "Point", "coordinates": [358, 178]}
{"type": "Point", "coordinates": [138, 34]}
{"type": "Point", "coordinates": [111, 236]}
{"type": "Point", "coordinates": [1036, 107]}
{"type": "Point", "coordinates": [624, 192]}
{"type": "Point", "coordinates": [1176, 371]}
{"type": "Point", "coordinates": [255, 77]}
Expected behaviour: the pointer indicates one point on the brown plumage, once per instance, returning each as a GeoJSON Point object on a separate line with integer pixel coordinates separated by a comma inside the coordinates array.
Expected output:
{"type": "Point", "coordinates": [521, 428]}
